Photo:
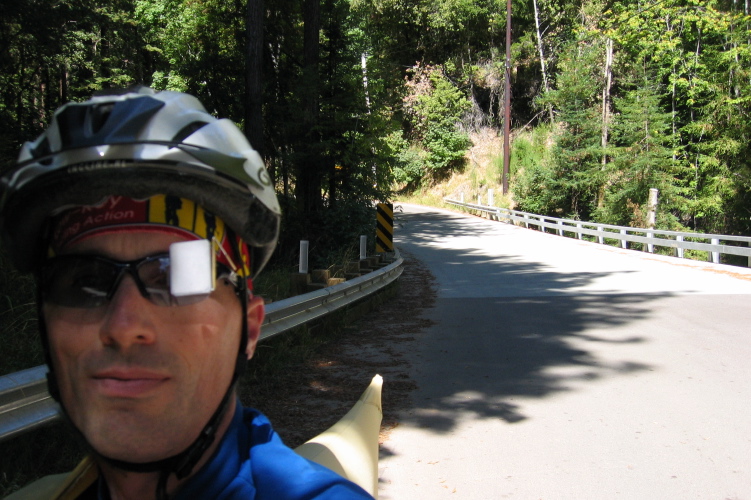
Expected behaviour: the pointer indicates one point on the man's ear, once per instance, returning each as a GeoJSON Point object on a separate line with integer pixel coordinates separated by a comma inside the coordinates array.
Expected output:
{"type": "Point", "coordinates": [256, 312]}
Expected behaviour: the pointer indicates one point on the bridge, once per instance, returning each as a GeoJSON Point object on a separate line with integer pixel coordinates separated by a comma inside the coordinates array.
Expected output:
{"type": "Point", "coordinates": [561, 369]}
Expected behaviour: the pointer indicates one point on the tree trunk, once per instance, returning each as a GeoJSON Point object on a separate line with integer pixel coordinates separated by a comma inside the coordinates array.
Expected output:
{"type": "Point", "coordinates": [605, 117]}
{"type": "Point", "coordinates": [308, 185]}
{"type": "Point", "coordinates": [254, 75]}
{"type": "Point", "coordinates": [364, 65]}
{"type": "Point", "coordinates": [545, 85]}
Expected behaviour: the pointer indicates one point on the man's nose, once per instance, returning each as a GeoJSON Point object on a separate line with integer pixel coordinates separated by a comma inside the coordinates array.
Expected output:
{"type": "Point", "coordinates": [128, 319]}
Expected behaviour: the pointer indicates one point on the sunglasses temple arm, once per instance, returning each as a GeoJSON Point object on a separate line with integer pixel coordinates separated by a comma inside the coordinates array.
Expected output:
{"type": "Point", "coordinates": [227, 256]}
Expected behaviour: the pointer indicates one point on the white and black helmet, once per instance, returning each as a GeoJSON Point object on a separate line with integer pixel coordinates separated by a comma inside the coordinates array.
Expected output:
{"type": "Point", "coordinates": [137, 144]}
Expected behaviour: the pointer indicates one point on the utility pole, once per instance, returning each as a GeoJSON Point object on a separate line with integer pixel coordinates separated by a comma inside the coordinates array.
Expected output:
{"type": "Point", "coordinates": [507, 102]}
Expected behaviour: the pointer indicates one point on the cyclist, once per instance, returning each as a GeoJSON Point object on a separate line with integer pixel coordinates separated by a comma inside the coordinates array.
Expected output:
{"type": "Point", "coordinates": [144, 220]}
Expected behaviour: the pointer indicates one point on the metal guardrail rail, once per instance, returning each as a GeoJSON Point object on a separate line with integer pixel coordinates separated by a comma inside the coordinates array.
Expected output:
{"type": "Point", "coordinates": [25, 403]}
{"type": "Point", "coordinates": [651, 238]}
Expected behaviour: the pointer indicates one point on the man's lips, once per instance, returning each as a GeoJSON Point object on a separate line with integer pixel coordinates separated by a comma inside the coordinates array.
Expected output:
{"type": "Point", "coordinates": [128, 383]}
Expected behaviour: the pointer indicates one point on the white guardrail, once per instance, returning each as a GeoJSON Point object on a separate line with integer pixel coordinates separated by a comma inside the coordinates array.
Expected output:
{"type": "Point", "coordinates": [25, 403]}
{"type": "Point", "coordinates": [713, 244]}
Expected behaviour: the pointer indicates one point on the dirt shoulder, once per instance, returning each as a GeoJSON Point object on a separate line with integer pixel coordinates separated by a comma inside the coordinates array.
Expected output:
{"type": "Point", "coordinates": [311, 396]}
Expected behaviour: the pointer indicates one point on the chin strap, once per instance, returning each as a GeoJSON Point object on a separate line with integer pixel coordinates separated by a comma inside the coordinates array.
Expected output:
{"type": "Point", "coordinates": [181, 464]}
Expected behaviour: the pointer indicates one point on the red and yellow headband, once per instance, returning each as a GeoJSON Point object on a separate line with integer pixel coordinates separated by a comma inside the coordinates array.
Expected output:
{"type": "Point", "coordinates": [160, 213]}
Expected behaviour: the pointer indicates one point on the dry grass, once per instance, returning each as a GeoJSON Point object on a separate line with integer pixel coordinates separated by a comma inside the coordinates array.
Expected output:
{"type": "Point", "coordinates": [483, 171]}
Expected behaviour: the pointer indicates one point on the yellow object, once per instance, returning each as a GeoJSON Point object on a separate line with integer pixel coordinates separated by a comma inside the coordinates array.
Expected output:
{"type": "Point", "coordinates": [350, 446]}
{"type": "Point", "coordinates": [385, 227]}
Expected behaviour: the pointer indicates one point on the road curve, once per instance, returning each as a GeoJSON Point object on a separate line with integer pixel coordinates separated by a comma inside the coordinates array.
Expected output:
{"type": "Point", "coordinates": [559, 369]}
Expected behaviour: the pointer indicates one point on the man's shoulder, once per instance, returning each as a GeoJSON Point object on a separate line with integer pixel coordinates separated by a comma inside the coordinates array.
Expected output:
{"type": "Point", "coordinates": [280, 473]}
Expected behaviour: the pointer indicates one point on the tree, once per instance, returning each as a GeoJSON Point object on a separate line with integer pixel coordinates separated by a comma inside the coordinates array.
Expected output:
{"type": "Point", "coordinates": [642, 158]}
{"type": "Point", "coordinates": [254, 75]}
{"type": "Point", "coordinates": [434, 107]}
{"type": "Point", "coordinates": [576, 174]}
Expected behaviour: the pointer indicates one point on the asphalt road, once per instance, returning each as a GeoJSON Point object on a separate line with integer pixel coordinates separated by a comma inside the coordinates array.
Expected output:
{"type": "Point", "coordinates": [558, 369]}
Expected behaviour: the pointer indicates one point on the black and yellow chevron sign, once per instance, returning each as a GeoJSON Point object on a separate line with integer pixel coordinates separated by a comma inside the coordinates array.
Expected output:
{"type": "Point", "coordinates": [385, 228]}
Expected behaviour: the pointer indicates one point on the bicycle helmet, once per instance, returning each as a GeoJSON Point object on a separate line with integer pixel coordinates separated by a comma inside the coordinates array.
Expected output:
{"type": "Point", "coordinates": [138, 144]}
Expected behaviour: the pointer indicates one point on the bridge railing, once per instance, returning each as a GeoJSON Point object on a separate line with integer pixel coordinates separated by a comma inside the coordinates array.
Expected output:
{"type": "Point", "coordinates": [714, 244]}
{"type": "Point", "coordinates": [25, 403]}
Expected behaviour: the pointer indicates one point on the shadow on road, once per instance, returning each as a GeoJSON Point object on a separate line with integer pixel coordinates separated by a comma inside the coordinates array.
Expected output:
{"type": "Point", "coordinates": [524, 335]}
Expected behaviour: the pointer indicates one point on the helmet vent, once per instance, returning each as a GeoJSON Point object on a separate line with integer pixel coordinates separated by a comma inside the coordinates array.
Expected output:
{"type": "Point", "coordinates": [42, 149]}
{"type": "Point", "coordinates": [187, 131]}
{"type": "Point", "coordinates": [99, 116]}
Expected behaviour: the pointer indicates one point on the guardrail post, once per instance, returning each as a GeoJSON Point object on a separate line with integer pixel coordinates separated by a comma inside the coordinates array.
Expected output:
{"type": "Point", "coordinates": [600, 237]}
{"type": "Point", "coordinates": [650, 246]}
{"type": "Point", "coordinates": [679, 249]}
{"type": "Point", "coordinates": [715, 255]}
{"type": "Point", "coordinates": [624, 243]}
{"type": "Point", "coordinates": [303, 267]}
{"type": "Point", "coordinates": [526, 221]}
{"type": "Point", "coordinates": [579, 230]}
{"type": "Point", "coordinates": [560, 228]}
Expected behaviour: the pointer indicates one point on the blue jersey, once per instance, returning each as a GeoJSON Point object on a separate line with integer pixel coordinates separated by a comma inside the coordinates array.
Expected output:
{"type": "Point", "coordinates": [251, 462]}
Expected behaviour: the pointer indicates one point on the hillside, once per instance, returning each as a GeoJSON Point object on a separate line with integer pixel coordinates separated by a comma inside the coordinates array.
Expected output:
{"type": "Point", "coordinates": [482, 171]}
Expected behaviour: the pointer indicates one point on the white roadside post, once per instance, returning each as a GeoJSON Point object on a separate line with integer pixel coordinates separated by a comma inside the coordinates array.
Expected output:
{"type": "Point", "coordinates": [715, 255]}
{"type": "Point", "coordinates": [303, 267]}
{"type": "Point", "coordinates": [651, 216]}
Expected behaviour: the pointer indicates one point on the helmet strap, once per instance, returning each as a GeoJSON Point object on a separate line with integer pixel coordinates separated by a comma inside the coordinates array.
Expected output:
{"type": "Point", "coordinates": [181, 464]}
{"type": "Point", "coordinates": [52, 387]}
{"type": "Point", "coordinates": [244, 294]}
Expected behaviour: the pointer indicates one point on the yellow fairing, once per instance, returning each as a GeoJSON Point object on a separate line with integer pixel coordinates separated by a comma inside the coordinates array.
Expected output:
{"type": "Point", "coordinates": [350, 446]}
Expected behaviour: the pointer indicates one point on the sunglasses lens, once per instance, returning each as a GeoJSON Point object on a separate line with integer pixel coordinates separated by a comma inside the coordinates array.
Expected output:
{"type": "Point", "coordinates": [76, 282]}
{"type": "Point", "coordinates": [154, 276]}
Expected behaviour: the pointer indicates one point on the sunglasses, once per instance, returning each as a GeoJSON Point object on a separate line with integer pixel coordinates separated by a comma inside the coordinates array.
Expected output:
{"type": "Point", "coordinates": [90, 281]}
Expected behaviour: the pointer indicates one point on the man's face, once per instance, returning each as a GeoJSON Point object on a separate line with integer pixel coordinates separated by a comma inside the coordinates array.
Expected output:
{"type": "Point", "coordinates": [139, 380]}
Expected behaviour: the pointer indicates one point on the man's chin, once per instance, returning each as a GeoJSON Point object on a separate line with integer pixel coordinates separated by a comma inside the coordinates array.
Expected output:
{"type": "Point", "coordinates": [126, 452]}
{"type": "Point", "coordinates": [133, 437]}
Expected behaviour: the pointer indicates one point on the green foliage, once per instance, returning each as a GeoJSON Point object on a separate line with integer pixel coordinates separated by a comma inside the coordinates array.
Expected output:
{"type": "Point", "coordinates": [434, 107]}
{"type": "Point", "coordinates": [527, 151]}
{"type": "Point", "coordinates": [534, 182]}
{"type": "Point", "coordinates": [407, 160]}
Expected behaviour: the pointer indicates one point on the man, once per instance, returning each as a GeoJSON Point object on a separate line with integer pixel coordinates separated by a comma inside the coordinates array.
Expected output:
{"type": "Point", "coordinates": [144, 220]}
